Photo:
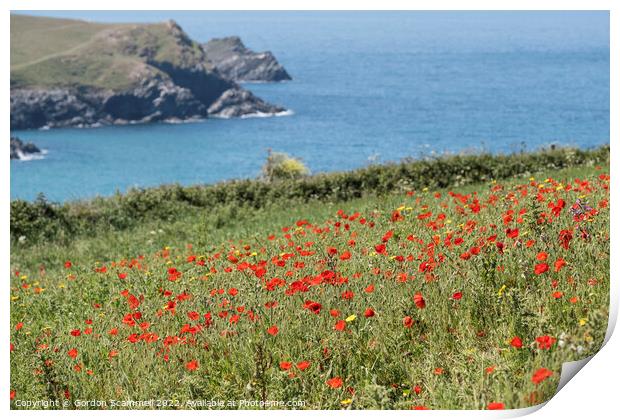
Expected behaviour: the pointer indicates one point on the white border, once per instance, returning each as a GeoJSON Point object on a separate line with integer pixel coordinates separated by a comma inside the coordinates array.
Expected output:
{"type": "Point", "coordinates": [593, 393]}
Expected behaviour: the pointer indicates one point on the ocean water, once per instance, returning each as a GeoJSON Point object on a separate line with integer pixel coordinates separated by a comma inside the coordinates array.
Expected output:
{"type": "Point", "coordinates": [368, 86]}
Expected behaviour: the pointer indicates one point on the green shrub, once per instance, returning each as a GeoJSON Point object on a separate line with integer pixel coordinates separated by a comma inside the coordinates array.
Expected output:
{"type": "Point", "coordinates": [281, 166]}
{"type": "Point", "coordinates": [41, 220]}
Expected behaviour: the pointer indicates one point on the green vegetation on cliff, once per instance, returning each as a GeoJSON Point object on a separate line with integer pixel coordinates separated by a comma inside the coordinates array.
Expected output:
{"type": "Point", "coordinates": [47, 52]}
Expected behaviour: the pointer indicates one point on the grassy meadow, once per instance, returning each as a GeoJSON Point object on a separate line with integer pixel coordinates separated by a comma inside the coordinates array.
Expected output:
{"type": "Point", "coordinates": [424, 296]}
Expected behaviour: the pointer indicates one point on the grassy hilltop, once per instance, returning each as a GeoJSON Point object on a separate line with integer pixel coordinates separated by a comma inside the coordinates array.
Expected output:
{"type": "Point", "coordinates": [50, 52]}
{"type": "Point", "coordinates": [465, 283]}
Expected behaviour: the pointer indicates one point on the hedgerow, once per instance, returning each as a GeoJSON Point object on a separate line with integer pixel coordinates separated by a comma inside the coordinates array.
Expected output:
{"type": "Point", "coordinates": [41, 220]}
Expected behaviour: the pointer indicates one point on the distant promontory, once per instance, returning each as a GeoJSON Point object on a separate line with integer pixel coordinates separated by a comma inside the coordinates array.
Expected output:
{"type": "Point", "coordinates": [235, 62]}
{"type": "Point", "coordinates": [75, 73]}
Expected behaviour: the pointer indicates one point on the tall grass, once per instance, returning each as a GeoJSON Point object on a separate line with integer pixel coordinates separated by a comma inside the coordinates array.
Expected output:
{"type": "Point", "coordinates": [466, 297]}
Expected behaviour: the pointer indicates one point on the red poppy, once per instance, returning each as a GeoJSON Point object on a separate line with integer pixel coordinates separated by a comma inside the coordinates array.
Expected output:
{"type": "Point", "coordinates": [419, 300]}
{"type": "Point", "coordinates": [173, 274]}
{"type": "Point", "coordinates": [516, 342]}
{"type": "Point", "coordinates": [303, 365]}
{"type": "Point", "coordinates": [191, 365]}
{"type": "Point", "coordinates": [496, 406]}
{"type": "Point", "coordinates": [559, 263]}
{"type": "Point", "coordinates": [565, 238]}
{"type": "Point", "coordinates": [541, 268]}
{"type": "Point", "coordinates": [369, 313]}
{"type": "Point", "coordinates": [72, 353]}
{"type": "Point", "coordinates": [381, 249]}
{"type": "Point", "coordinates": [314, 307]}
{"type": "Point", "coordinates": [340, 325]}
{"type": "Point", "coordinates": [540, 375]}
{"type": "Point", "coordinates": [285, 365]}
{"type": "Point", "coordinates": [335, 382]}
{"type": "Point", "coordinates": [347, 295]}
{"type": "Point", "coordinates": [407, 322]}
{"type": "Point", "coordinates": [457, 295]}
{"type": "Point", "coordinates": [273, 330]}
{"type": "Point", "coordinates": [512, 233]}
{"type": "Point", "coordinates": [545, 342]}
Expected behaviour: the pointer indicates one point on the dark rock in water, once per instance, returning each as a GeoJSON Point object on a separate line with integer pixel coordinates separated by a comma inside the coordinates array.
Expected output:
{"type": "Point", "coordinates": [19, 149]}
{"type": "Point", "coordinates": [236, 62]}
{"type": "Point", "coordinates": [239, 102]}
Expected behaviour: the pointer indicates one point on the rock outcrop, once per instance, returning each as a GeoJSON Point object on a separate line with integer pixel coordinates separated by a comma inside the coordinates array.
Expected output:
{"type": "Point", "coordinates": [154, 100]}
{"type": "Point", "coordinates": [125, 73]}
{"type": "Point", "coordinates": [236, 62]}
{"type": "Point", "coordinates": [238, 102]}
{"type": "Point", "coordinates": [21, 150]}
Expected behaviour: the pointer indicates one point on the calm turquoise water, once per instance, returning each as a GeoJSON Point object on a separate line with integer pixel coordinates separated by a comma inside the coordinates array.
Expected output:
{"type": "Point", "coordinates": [366, 85]}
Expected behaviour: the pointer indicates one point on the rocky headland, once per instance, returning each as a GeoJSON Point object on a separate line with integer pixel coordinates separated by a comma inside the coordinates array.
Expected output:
{"type": "Point", "coordinates": [81, 74]}
{"type": "Point", "coordinates": [234, 61]}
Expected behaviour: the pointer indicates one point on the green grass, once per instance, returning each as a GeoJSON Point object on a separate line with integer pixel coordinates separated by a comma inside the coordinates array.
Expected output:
{"type": "Point", "coordinates": [35, 37]}
{"type": "Point", "coordinates": [48, 52]}
{"type": "Point", "coordinates": [380, 362]}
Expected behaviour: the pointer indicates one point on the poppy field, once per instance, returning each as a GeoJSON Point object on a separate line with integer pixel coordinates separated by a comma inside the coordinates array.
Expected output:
{"type": "Point", "coordinates": [468, 297]}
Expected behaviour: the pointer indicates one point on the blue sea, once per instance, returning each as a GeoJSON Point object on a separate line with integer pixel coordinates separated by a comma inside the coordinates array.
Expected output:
{"type": "Point", "coordinates": [368, 87]}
